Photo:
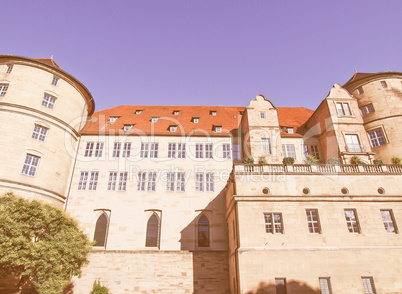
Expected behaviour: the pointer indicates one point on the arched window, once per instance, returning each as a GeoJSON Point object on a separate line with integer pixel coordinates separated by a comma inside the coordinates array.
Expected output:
{"type": "Point", "coordinates": [101, 230]}
{"type": "Point", "coordinates": [152, 231]}
{"type": "Point", "coordinates": [203, 232]}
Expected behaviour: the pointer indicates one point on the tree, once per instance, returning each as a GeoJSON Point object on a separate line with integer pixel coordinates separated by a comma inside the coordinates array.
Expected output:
{"type": "Point", "coordinates": [40, 243]}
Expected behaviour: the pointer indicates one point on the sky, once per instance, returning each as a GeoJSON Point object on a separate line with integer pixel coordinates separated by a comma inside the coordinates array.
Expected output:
{"type": "Point", "coordinates": [204, 52]}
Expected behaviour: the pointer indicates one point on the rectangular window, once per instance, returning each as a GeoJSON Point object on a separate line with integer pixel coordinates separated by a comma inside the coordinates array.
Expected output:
{"type": "Point", "coordinates": [262, 114]}
{"type": "Point", "coordinates": [144, 150]}
{"type": "Point", "coordinates": [353, 143]}
{"type": "Point", "coordinates": [208, 151]}
{"type": "Point", "coordinates": [218, 129]}
{"type": "Point", "coordinates": [172, 150]}
{"type": "Point", "coordinates": [352, 221]}
{"type": "Point", "coordinates": [3, 90]}
{"type": "Point", "coordinates": [360, 90]}
{"type": "Point", "coordinates": [39, 133]}
{"type": "Point", "coordinates": [154, 150]}
{"type": "Point", "coordinates": [384, 84]}
{"type": "Point", "coordinates": [343, 108]}
{"type": "Point", "coordinates": [82, 184]}
{"type": "Point", "coordinates": [266, 147]}
{"type": "Point", "coordinates": [141, 181]}
{"type": "Point", "coordinates": [273, 223]}
{"type": "Point", "coordinates": [170, 182]}
{"type": "Point", "coordinates": [389, 221]}
{"type": "Point", "coordinates": [30, 165]}
{"type": "Point", "coordinates": [126, 150]}
{"type": "Point", "coordinates": [93, 181]}
{"type": "Point", "coordinates": [111, 185]}
{"type": "Point", "coordinates": [368, 285]}
{"type": "Point", "coordinates": [123, 181]}
{"type": "Point", "coordinates": [226, 151]}
{"type": "Point", "coordinates": [113, 118]}
{"type": "Point", "coordinates": [369, 108]}
{"type": "Point", "coordinates": [313, 221]}
{"type": "Point", "coordinates": [180, 181]}
{"type": "Point", "coordinates": [176, 112]}
{"type": "Point", "coordinates": [48, 101]}
{"type": "Point", "coordinates": [236, 151]}
{"type": "Point", "coordinates": [172, 129]}
{"type": "Point", "coordinates": [377, 138]}
{"type": "Point", "coordinates": [280, 285]}
{"type": "Point", "coordinates": [196, 120]}
{"type": "Point", "coordinates": [181, 150]}
{"type": "Point", "coordinates": [151, 181]}
{"type": "Point", "coordinates": [154, 119]}
{"type": "Point", "coordinates": [289, 150]}
{"type": "Point", "coordinates": [9, 69]}
{"type": "Point", "coordinates": [116, 149]}
{"type": "Point", "coordinates": [55, 80]}
{"type": "Point", "coordinates": [209, 182]}
{"type": "Point", "coordinates": [126, 128]}
{"type": "Point", "coordinates": [325, 286]}
{"type": "Point", "coordinates": [88, 149]}
{"type": "Point", "coordinates": [199, 182]}
{"type": "Point", "coordinates": [99, 149]}
{"type": "Point", "coordinates": [212, 112]}
{"type": "Point", "coordinates": [290, 130]}
{"type": "Point", "coordinates": [314, 151]}
{"type": "Point", "coordinates": [199, 150]}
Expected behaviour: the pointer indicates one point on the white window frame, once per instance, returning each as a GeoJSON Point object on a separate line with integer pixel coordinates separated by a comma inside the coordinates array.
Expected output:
{"type": "Point", "coordinates": [209, 182]}
{"type": "Point", "coordinates": [266, 145]}
{"type": "Point", "coordinates": [171, 150]}
{"type": "Point", "coordinates": [151, 181]}
{"type": "Point", "coordinates": [172, 129]}
{"type": "Point", "coordinates": [93, 181]}
{"type": "Point", "coordinates": [9, 68]}
{"type": "Point", "coordinates": [141, 181]}
{"type": "Point", "coordinates": [384, 84]}
{"type": "Point", "coordinates": [31, 164]}
{"type": "Point", "coordinates": [144, 150]}
{"type": "Point", "coordinates": [39, 133]}
{"type": "Point", "coordinates": [389, 221]}
{"type": "Point", "coordinates": [199, 182]}
{"type": "Point", "coordinates": [122, 181]}
{"type": "Point", "coordinates": [377, 137]}
{"type": "Point", "coordinates": [352, 221]}
{"type": "Point", "coordinates": [181, 150]}
{"type": "Point", "coordinates": [226, 150]}
{"type": "Point", "coordinates": [3, 89]}
{"type": "Point", "coordinates": [325, 285]}
{"type": "Point", "coordinates": [82, 183]}
{"type": "Point", "coordinates": [343, 109]}
{"type": "Point", "coordinates": [313, 221]}
{"type": "Point", "coordinates": [218, 129]}
{"type": "Point", "coordinates": [154, 119]}
{"type": "Point", "coordinates": [111, 185]}
{"type": "Point", "coordinates": [236, 154]}
{"type": "Point", "coordinates": [262, 115]}
{"type": "Point", "coordinates": [354, 147]}
{"type": "Point", "coordinates": [89, 149]}
{"type": "Point", "coordinates": [49, 101]}
{"type": "Point", "coordinates": [153, 153]}
{"type": "Point", "coordinates": [176, 112]}
{"type": "Point", "coordinates": [366, 109]}
{"type": "Point", "coordinates": [199, 150]}
{"type": "Point", "coordinates": [170, 181]}
{"type": "Point", "coordinates": [126, 149]}
{"type": "Point", "coordinates": [55, 80]}
{"type": "Point", "coordinates": [273, 223]}
{"type": "Point", "coordinates": [289, 150]}
{"type": "Point", "coordinates": [99, 149]}
{"type": "Point", "coordinates": [113, 118]}
{"type": "Point", "coordinates": [196, 120]}
{"type": "Point", "coordinates": [213, 112]}
{"type": "Point", "coordinates": [209, 150]}
{"type": "Point", "coordinates": [138, 111]}
{"type": "Point", "coordinates": [116, 149]}
{"type": "Point", "coordinates": [368, 285]}
{"type": "Point", "coordinates": [181, 178]}
{"type": "Point", "coordinates": [127, 128]}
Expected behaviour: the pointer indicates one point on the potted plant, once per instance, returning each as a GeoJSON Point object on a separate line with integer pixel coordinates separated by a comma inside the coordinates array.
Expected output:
{"type": "Point", "coordinates": [288, 160]}
{"type": "Point", "coordinates": [262, 160]}
{"type": "Point", "coordinates": [355, 160]}
{"type": "Point", "coordinates": [311, 159]}
{"type": "Point", "coordinates": [378, 162]}
{"type": "Point", "coordinates": [333, 160]}
{"type": "Point", "coordinates": [396, 160]}
{"type": "Point", "coordinates": [248, 160]}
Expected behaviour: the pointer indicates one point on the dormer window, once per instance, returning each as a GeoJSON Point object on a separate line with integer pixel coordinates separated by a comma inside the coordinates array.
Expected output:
{"type": "Point", "coordinates": [113, 118]}
{"type": "Point", "coordinates": [212, 112]}
{"type": "Point", "coordinates": [384, 84]}
{"type": "Point", "coordinates": [154, 119]}
{"type": "Point", "coordinates": [218, 129]}
{"type": "Point", "coordinates": [172, 129]}
{"type": "Point", "coordinates": [196, 120]}
{"type": "Point", "coordinates": [55, 80]}
{"type": "Point", "coordinates": [126, 128]}
{"type": "Point", "coordinates": [138, 111]}
{"type": "Point", "coordinates": [176, 112]}
{"type": "Point", "coordinates": [290, 130]}
{"type": "Point", "coordinates": [262, 114]}
{"type": "Point", "coordinates": [9, 69]}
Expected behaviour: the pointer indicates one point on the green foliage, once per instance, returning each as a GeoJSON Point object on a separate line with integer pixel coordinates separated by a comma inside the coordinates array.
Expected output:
{"type": "Point", "coordinates": [248, 160]}
{"type": "Point", "coordinates": [98, 289]}
{"type": "Point", "coordinates": [40, 243]}
{"type": "Point", "coordinates": [311, 159]}
{"type": "Point", "coordinates": [396, 160]}
{"type": "Point", "coordinates": [333, 160]}
{"type": "Point", "coordinates": [378, 161]}
{"type": "Point", "coordinates": [355, 160]}
{"type": "Point", "coordinates": [288, 160]}
{"type": "Point", "coordinates": [262, 160]}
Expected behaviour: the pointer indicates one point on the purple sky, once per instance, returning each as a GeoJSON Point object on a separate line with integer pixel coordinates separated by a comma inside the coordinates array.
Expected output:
{"type": "Point", "coordinates": [202, 52]}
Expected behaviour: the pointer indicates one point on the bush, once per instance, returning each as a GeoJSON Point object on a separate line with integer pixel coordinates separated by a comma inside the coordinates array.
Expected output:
{"type": "Point", "coordinates": [378, 162]}
{"type": "Point", "coordinates": [248, 160]}
{"type": "Point", "coordinates": [396, 160]}
{"type": "Point", "coordinates": [333, 160]}
{"type": "Point", "coordinates": [262, 160]}
{"type": "Point", "coordinates": [311, 159]}
{"type": "Point", "coordinates": [288, 160]}
{"type": "Point", "coordinates": [98, 289]}
{"type": "Point", "coordinates": [355, 160]}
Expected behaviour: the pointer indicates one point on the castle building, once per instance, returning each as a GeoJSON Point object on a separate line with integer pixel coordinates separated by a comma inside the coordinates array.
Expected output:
{"type": "Point", "coordinates": [165, 193]}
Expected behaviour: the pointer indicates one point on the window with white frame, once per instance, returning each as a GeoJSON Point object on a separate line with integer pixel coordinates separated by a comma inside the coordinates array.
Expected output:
{"type": "Point", "coordinates": [93, 181]}
{"type": "Point", "coordinates": [141, 181]}
{"type": "Point", "coordinates": [360, 90]}
{"type": "Point", "coordinates": [55, 80]}
{"type": "Point", "coordinates": [209, 182]}
{"type": "Point", "coordinates": [126, 149]}
{"type": "Point", "coordinates": [343, 108]}
{"type": "Point", "coordinates": [126, 128]}
{"type": "Point", "coordinates": [226, 151]}
{"type": "Point", "coordinates": [123, 181]}
{"type": "Point", "coordinates": [144, 150]}
{"type": "Point", "coordinates": [116, 149]}
{"type": "Point", "coordinates": [48, 101]}
{"type": "Point", "coordinates": [172, 129]}
{"type": "Point", "coordinates": [154, 150]}
{"type": "Point", "coordinates": [82, 183]}
{"type": "Point", "coordinates": [368, 285]}
{"type": "Point", "coordinates": [384, 84]}
{"type": "Point", "coordinates": [154, 119]}
{"type": "Point", "coordinates": [352, 221]}
{"type": "Point", "coordinates": [151, 181]}
{"type": "Point", "coordinates": [208, 151]}
{"type": "Point", "coordinates": [113, 118]}
{"type": "Point", "coordinates": [30, 165]}
{"type": "Point", "coordinates": [172, 150]}
{"type": "Point", "coordinates": [389, 221]}
{"type": "Point", "coordinates": [176, 112]}
{"type": "Point", "coordinates": [218, 129]}
{"type": "Point", "coordinates": [3, 90]}
{"type": "Point", "coordinates": [196, 120]}
{"type": "Point", "coordinates": [39, 133]}
{"type": "Point", "coordinates": [353, 143]}
{"type": "Point", "coordinates": [290, 130]}
{"type": "Point", "coordinates": [111, 185]}
{"type": "Point", "coordinates": [262, 114]}
{"type": "Point", "coordinates": [376, 138]}
{"type": "Point", "coordinates": [89, 149]}
{"type": "Point", "coordinates": [199, 182]}
{"type": "Point", "coordinates": [99, 149]}
{"type": "Point", "coordinates": [305, 151]}
{"type": "Point", "coordinates": [366, 109]}
{"type": "Point", "coordinates": [180, 181]}
{"type": "Point", "coordinates": [266, 146]}
{"type": "Point", "coordinates": [273, 223]}
{"type": "Point", "coordinates": [199, 150]}
{"type": "Point", "coordinates": [325, 285]}
{"type": "Point", "coordinates": [170, 180]}
{"type": "Point", "coordinates": [9, 69]}
{"type": "Point", "coordinates": [314, 151]}
{"type": "Point", "coordinates": [138, 111]}
{"type": "Point", "coordinates": [289, 150]}
{"type": "Point", "coordinates": [236, 151]}
{"type": "Point", "coordinates": [313, 221]}
{"type": "Point", "coordinates": [213, 112]}
{"type": "Point", "coordinates": [181, 150]}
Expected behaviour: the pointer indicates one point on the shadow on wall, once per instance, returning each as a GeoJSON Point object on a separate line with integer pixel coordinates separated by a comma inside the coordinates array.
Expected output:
{"type": "Point", "coordinates": [292, 287]}
{"type": "Point", "coordinates": [210, 258]}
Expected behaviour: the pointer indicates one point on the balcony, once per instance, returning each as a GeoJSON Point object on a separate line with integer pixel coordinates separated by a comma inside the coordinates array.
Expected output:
{"type": "Point", "coordinates": [318, 169]}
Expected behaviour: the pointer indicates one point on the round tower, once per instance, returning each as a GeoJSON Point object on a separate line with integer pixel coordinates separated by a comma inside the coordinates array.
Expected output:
{"type": "Point", "coordinates": [42, 110]}
{"type": "Point", "coordinates": [379, 98]}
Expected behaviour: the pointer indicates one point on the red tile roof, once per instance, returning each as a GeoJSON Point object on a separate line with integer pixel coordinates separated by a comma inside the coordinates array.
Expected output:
{"type": "Point", "coordinates": [226, 117]}
{"type": "Point", "coordinates": [48, 61]}
{"type": "Point", "coordinates": [293, 117]}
